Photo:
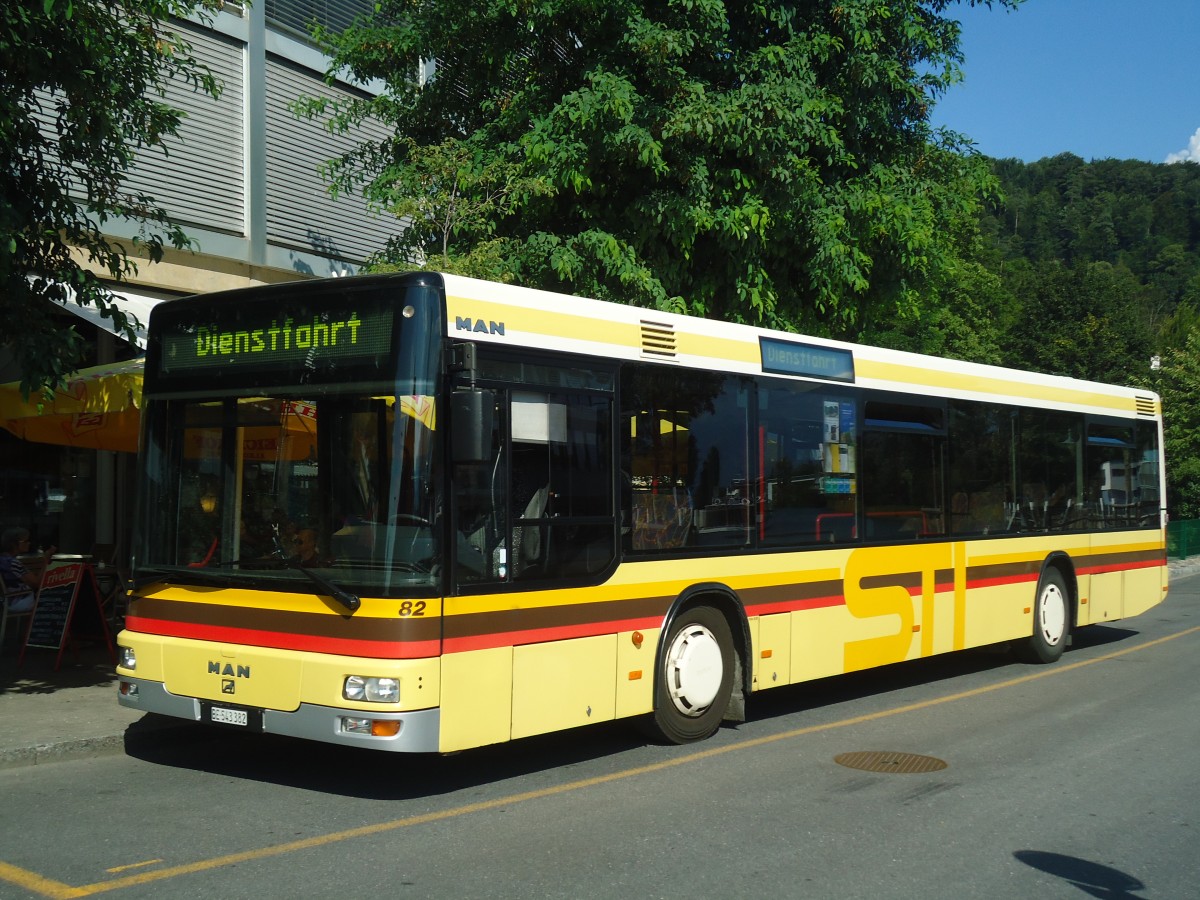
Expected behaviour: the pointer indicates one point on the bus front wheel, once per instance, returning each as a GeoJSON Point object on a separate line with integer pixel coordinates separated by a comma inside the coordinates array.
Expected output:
{"type": "Point", "coordinates": [1051, 621]}
{"type": "Point", "coordinates": [695, 678]}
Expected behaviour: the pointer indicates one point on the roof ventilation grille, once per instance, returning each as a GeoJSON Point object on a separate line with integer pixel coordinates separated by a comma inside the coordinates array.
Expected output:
{"type": "Point", "coordinates": [658, 340]}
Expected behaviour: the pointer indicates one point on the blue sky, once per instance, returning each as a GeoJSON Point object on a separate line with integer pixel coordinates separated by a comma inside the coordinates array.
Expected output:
{"type": "Point", "coordinates": [1098, 78]}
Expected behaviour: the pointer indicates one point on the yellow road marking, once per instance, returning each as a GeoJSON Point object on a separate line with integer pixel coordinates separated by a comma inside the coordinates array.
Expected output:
{"type": "Point", "coordinates": [115, 869]}
{"type": "Point", "coordinates": [35, 883]}
{"type": "Point", "coordinates": [58, 891]}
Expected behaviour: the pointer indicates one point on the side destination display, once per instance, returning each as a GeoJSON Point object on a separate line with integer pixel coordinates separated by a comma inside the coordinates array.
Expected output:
{"type": "Point", "coordinates": [794, 358]}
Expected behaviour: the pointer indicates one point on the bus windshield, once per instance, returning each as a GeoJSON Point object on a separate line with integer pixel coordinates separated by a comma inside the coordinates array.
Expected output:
{"type": "Point", "coordinates": [278, 475]}
{"type": "Point", "coordinates": [261, 486]}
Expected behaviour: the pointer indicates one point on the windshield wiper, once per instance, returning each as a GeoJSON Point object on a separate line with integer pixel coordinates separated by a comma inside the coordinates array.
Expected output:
{"type": "Point", "coordinates": [344, 597]}
{"type": "Point", "coordinates": [142, 579]}
{"type": "Point", "coordinates": [203, 576]}
{"type": "Point", "coordinates": [348, 600]}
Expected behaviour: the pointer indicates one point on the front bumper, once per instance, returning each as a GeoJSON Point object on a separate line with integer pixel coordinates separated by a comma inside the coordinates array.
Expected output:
{"type": "Point", "coordinates": [419, 730]}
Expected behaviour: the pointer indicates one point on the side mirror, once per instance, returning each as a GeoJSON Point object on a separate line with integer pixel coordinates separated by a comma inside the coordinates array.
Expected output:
{"type": "Point", "coordinates": [471, 424]}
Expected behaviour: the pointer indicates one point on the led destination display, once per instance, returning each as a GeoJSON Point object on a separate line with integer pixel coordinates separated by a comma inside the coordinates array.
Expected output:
{"type": "Point", "coordinates": [269, 339]}
{"type": "Point", "coordinates": [281, 336]}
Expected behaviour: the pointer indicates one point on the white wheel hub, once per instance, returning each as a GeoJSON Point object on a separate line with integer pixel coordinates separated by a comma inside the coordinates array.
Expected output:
{"type": "Point", "coordinates": [1052, 614]}
{"type": "Point", "coordinates": [694, 670]}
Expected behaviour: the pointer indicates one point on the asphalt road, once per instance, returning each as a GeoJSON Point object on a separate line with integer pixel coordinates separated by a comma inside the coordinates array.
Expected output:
{"type": "Point", "coordinates": [1077, 779]}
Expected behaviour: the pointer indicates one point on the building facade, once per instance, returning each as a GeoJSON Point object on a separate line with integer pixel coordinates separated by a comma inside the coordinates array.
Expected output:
{"type": "Point", "coordinates": [244, 180]}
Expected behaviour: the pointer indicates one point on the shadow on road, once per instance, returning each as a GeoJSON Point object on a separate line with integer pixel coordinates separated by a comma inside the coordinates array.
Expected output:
{"type": "Point", "coordinates": [1091, 878]}
{"type": "Point", "coordinates": [1100, 636]}
{"type": "Point", "coordinates": [371, 774]}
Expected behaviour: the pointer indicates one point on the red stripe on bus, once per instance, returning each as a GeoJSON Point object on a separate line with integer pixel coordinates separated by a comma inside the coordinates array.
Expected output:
{"type": "Point", "coordinates": [285, 641]}
{"type": "Point", "coordinates": [1001, 581]}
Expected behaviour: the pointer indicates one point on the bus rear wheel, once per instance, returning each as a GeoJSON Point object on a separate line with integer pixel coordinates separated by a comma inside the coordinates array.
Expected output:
{"type": "Point", "coordinates": [695, 678]}
{"type": "Point", "coordinates": [1051, 621]}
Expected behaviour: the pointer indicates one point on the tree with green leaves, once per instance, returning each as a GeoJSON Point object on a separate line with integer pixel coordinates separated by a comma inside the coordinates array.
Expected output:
{"type": "Point", "coordinates": [448, 189]}
{"type": "Point", "coordinates": [1090, 321]}
{"type": "Point", "coordinates": [762, 162]}
{"type": "Point", "coordinates": [968, 314]}
{"type": "Point", "coordinates": [81, 95]}
{"type": "Point", "coordinates": [1179, 383]}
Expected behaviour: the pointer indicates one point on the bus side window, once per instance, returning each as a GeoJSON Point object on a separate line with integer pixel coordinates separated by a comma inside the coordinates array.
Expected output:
{"type": "Point", "coordinates": [480, 497]}
{"type": "Point", "coordinates": [903, 454]}
{"type": "Point", "coordinates": [807, 444]}
{"type": "Point", "coordinates": [687, 450]}
{"type": "Point", "coordinates": [543, 507]}
{"type": "Point", "coordinates": [530, 504]}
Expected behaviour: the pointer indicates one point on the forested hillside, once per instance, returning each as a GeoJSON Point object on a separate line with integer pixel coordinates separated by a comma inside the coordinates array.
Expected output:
{"type": "Point", "coordinates": [1102, 260]}
{"type": "Point", "coordinates": [1096, 270]}
{"type": "Point", "coordinates": [1081, 269]}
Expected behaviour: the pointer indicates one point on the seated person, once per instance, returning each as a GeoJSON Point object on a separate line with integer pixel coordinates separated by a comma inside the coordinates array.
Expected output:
{"type": "Point", "coordinates": [306, 548]}
{"type": "Point", "coordinates": [20, 585]}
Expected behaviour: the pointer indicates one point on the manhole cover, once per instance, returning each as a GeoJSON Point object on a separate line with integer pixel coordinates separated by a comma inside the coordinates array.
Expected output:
{"type": "Point", "coordinates": [889, 761]}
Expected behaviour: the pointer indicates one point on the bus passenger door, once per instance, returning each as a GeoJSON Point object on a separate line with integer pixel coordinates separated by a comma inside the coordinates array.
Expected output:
{"type": "Point", "coordinates": [535, 516]}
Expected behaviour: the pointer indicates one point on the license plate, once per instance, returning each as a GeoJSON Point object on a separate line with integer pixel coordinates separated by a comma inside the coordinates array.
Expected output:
{"type": "Point", "coordinates": [230, 716]}
{"type": "Point", "coordinates": [239, 717]}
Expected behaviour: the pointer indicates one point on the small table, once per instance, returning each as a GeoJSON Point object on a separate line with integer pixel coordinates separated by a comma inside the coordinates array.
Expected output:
{"type": "Point", "coordinates": [33, 562]}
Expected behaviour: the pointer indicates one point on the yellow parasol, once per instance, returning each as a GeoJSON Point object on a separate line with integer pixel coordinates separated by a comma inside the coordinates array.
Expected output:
{"type": "Point", "coordinates": [100, 409]}
{"type": "Point", "coordinates": [97, 408]}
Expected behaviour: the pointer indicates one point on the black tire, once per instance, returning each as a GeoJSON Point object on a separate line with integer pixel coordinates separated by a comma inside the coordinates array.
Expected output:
{"type": "Point", "coordinates": [1051, 621]}
{"type": "Point", "coordinates": [695, 677]}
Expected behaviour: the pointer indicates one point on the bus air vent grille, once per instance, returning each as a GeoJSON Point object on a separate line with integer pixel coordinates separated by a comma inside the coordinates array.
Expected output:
{"type": "Point", "coordinates": [658, 340]}
{"type": "Point", "coordinates": [1145, 406]}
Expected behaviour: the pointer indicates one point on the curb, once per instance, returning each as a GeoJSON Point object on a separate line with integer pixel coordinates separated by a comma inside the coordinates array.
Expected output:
{"type": "Point", "coordinates": [60, 751]}
{"type": "Point", "coordinates": [94, 746]}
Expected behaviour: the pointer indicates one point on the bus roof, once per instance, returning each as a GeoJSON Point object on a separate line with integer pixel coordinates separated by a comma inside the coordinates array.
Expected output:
{"type": "Point", "coordinates": [523, 317]}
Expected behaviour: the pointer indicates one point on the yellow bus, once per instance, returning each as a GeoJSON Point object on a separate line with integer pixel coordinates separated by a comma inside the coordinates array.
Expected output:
{"type": "Point", "coordinates": [424, 513]}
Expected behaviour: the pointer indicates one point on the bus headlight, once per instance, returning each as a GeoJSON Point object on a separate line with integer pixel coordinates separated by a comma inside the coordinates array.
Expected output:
{"type": "Point", "coordinates": [128, 659]}
{"type": "Point", "coordinates": [371, 689]}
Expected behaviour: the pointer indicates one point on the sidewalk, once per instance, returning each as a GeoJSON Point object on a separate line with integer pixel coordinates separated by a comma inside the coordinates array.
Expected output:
{"type": "Point", "coordinates": [47, 716]}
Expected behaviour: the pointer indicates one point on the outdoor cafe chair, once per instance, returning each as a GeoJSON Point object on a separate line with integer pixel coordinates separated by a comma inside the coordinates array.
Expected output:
{"type": "Point", "coordinates": [8, 614]}
{"type": "Point", "coordinates": [111, 582]}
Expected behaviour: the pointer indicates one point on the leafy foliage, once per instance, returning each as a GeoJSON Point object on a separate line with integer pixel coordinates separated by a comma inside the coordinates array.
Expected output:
{"type": "Point", "coordinates": [81, 93]}
{"type": "Point", "coordinates": [444, 190]}
{"type": "Point", "coordinates": [1101, 261]}
{"type": "Point", "coordinates": [1179, 383]}
{"type": "Point", "coordinates": [1103, 255]}
{"type": "Point", "coordinates": [760, 162]}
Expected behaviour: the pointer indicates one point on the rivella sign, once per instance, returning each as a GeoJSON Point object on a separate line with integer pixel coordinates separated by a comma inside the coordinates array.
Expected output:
{"type": "Point", "coordinates": [275, 340]}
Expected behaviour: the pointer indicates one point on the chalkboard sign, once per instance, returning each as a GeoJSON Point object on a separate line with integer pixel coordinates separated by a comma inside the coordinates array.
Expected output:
{"type": "Point", "coordinates": [67, 601]}
{"type": "Point", "coordinates": [55, 603]}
